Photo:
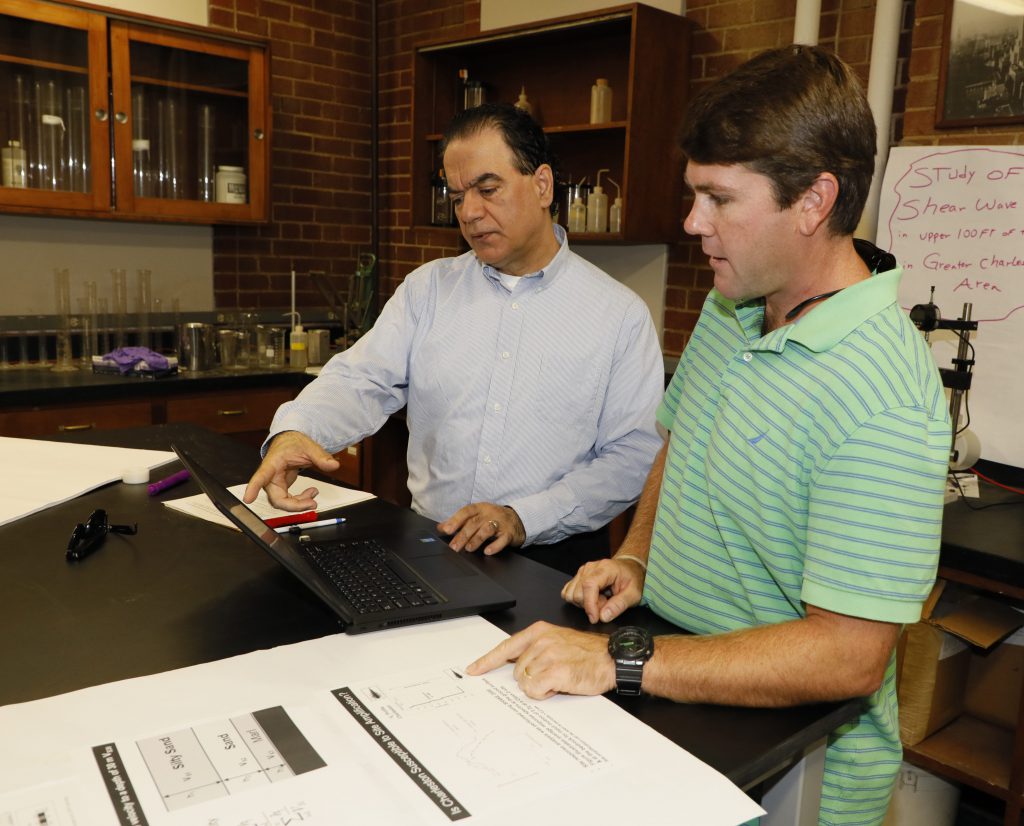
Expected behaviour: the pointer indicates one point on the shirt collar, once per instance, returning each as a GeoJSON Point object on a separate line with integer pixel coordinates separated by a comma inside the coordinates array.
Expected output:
{"type": "Point", "coordinates": [831, 321]}
{"type": "Point", "coordinates": [828, 323]}
{"type": "Point", "coordinates": [547, 274]}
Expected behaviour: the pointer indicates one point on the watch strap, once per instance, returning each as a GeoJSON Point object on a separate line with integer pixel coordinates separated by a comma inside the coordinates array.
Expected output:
{"type": "Point", "coordinates": [628, 677]}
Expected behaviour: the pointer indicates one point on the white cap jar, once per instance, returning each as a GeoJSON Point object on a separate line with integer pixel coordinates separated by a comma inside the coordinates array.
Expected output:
{"type": "Point", "coordinates": [231, 185]}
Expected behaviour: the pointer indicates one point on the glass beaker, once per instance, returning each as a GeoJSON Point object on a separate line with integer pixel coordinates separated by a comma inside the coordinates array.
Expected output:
{"type": "Point", "coordinates": [271, 346]}
{"type": "Point", "coordinates": [62, 298]}
{"type": "Point", "coordinates": [50, 132]}
{"type": "Point", "coordinates": [248, 352]}
{"type": "Point", "coordinates": [204, 153]}
{"type": "Point", "coordinates": [77, 160]}
{"type": "Point", "coordinates": [142, 159]}
{"type": "Point", "coordinates": [143, 306]}
{"type": "Point", "coordinates": [119, 306]}
{"type": "Point", "coordinates": [170, 156]}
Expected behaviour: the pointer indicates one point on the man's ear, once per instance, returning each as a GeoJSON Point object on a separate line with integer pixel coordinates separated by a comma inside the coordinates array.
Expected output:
{"type": "Point", "coordinates": [544, 181]}
{"type": "Point", "coordinates": [817, 202]}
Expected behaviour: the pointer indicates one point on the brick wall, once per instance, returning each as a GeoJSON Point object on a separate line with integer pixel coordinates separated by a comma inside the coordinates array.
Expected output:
{"type": "Point", "coordinates": [320, 167]}
{"type": "Point", "coordinates": [403, 24]}
{"type": "Point", "coordinates": [320, 157]}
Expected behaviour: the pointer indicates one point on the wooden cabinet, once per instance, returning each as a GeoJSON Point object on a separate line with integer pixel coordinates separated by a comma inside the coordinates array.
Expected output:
{"type": "Point", "coordinates": [40, 422]}
{"type": "Point", "coordinates": [972, 751]}
{"type": "Point", "coordinates": [114, 116]}
{"type": "Point", "coordinates": [643, 52]}
{"type": "Point", "coordinates": [243, 414]}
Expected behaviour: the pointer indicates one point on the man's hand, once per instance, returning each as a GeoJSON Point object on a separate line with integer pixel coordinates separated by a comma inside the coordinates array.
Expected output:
{"type": "Point", "coordinates": [288, 452]}
{"type": "Point", "coordinates": [470, 527]}
{"type": "Point", "coordinates": [606, 588]}
{"type": "Point", "coordinates": [552, 660]}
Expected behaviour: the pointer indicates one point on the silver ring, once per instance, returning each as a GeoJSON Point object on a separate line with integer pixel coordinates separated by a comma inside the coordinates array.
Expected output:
{"type": "Point", "coordinates": [494, 525]}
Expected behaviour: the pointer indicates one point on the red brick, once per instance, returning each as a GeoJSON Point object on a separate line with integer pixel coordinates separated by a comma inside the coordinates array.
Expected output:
{"type": "Point", "coordinates": [222, 18]}
{"type": "Point", "coordinates": [928, 32]}
{"type": "Point", "coordinates": [922, 94]}
{"type": "Point", "coordinates": [735, 13]}
{"type": "Point", "coordinates": [275, 11]}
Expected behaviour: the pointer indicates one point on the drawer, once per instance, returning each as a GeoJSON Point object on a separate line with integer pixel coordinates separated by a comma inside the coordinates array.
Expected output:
{"type": "Point", "coordinates": [237, 411]}
{"type": "Point", "coordinates": [50, 421]}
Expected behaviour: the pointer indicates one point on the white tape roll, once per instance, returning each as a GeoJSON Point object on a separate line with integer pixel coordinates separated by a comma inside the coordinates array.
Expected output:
{"type": "Point", "coordinates": [968, 450]}
{"type": "Point", "coordinates": [135, 475]}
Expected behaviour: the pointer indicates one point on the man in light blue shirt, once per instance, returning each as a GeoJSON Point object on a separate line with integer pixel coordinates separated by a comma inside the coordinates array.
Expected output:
{"type": "Point", "coordinates": [530, 377]}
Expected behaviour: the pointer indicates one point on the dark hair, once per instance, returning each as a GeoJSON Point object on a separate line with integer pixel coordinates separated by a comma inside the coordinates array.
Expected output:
{"type": "Point", "coordinates": [789, 114]}
{"type": "Point", "coordinates": [521, 133]}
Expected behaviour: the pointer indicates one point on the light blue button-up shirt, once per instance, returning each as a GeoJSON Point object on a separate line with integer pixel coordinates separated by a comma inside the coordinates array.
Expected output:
{"type": "Point", "coordinates": [542, 397]}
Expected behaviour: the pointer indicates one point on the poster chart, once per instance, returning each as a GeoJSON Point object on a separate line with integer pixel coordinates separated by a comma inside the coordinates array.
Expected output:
{"type": "Point", "coordinates": [378, 728]}
{"type": "Point", "coordinates": [954, 218]}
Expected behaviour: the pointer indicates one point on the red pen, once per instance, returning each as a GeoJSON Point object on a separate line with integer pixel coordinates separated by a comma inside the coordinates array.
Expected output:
{"type": "Point", "coordinates": [290, 519]}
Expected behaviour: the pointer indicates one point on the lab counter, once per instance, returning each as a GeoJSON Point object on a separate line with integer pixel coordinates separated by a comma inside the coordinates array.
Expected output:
{"type": "Point", "coordinates": [37, 387]}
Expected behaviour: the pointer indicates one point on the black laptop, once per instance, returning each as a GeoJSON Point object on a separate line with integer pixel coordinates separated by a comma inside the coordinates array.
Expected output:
{"type": "Point", "coordinates": [369, 584]}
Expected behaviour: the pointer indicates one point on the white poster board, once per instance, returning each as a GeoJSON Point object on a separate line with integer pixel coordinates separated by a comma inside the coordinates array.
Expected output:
{"type": "Point", "coordinates": [954, 218]}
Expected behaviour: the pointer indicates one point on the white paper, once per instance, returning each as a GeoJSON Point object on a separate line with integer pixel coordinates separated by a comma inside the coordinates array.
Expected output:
{"type": "Point", "coordinates": [330, 497]}
{"type": "Point", "coordinates": [954, 218]}
{"type": "Point", "coordinates": [35, 474]}
{"type": "Point", "coordinates": [182, 748]}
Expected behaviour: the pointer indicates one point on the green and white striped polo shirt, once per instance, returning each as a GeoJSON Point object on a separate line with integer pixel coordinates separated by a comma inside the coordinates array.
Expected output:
{"type": "Point", "coordinates": [806, 466]}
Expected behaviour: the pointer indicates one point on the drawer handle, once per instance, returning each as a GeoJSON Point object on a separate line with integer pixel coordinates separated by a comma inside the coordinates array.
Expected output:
{"type": "Point", "coordinates": [63, 427]}
{"type": "Point", "coordinates": [241, 412]}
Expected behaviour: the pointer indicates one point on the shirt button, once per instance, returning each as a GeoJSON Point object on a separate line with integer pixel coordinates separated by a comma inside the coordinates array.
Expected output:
{"type": "Point", "coordinates": [748, 356]}
{"type": "Point", "coordinates": [487, 460]}
{"type": "Point", "coordinates": [506, 354]}
{"type": "Point", "coordinates": [497, 408]}
{"type": "Point", "coordinates": [515, 305]}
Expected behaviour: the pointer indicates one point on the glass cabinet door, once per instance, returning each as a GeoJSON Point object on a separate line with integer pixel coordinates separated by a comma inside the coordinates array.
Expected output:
{"type": "Point", "coordinates": [54, 126]}
{"type": "Point", "coordinates": [189, 123]}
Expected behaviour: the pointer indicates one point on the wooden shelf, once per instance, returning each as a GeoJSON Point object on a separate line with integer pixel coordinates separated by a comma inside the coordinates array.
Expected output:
{"type": "Point", "coordinates": [644, 54]}
{"type": "Point", "coordinates": [969, 751]}
{"type": "Point", "coordinates": [190, 87]}
{"type": "Point", "coordinates": [561, 130]}
{"type": "Point", "coordinates": [48, 65]}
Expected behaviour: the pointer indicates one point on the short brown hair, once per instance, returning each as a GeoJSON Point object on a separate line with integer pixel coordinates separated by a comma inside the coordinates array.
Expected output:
{"type": "Point", "coordinates": [789, 114]}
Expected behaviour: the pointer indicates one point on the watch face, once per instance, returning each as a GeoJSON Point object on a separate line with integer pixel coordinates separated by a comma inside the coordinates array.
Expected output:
{"type": "Point", "coordinates": [630, 643]}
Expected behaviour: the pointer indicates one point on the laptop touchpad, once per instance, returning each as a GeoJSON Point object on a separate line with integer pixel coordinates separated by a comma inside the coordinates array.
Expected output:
{"type": "Point", "coordinates": [445, 565]}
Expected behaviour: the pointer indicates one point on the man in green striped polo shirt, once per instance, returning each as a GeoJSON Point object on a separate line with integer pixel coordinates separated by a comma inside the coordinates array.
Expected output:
{"type": "Point", "coordinates": [792, 519]}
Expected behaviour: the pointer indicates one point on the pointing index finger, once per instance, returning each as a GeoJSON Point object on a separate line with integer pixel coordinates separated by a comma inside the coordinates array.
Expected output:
{"type": "Point", "coordinates": [505, 651]}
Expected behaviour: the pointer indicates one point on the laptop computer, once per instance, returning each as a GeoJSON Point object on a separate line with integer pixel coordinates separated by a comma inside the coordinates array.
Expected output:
{"type": "Point", "coordinates": [425, 579]}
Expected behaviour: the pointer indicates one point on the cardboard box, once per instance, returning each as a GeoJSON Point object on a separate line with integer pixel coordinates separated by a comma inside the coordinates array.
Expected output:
{"type": "Point", "coordinates": [995, 681]}
{"type": "Point", "coordinates": [936, 658]}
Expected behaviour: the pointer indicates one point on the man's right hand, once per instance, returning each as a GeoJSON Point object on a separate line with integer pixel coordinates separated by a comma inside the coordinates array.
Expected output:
{"type": "Point", "coordinates": [288, 453]}
{"type": "Point", "coordinates": [606, 588]}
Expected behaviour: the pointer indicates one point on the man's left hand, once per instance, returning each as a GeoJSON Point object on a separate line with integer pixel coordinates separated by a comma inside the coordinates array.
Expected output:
{"type": "Point", "coordinates": [484, 524]}
{"type": "Point", "coordinates": [553, 660]}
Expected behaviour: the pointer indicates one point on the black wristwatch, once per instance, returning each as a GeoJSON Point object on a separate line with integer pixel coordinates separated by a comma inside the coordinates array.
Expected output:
{"type": "Point", "coordinates": [630, 647]}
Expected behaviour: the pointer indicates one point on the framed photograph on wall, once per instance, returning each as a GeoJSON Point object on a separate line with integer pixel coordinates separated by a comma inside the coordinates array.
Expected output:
{"type": "Point", "coordinates": [981, 79]}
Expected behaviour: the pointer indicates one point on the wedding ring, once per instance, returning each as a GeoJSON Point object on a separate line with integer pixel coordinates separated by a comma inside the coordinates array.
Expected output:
{"type": "Point", "coordinates": [526, 672]}
{"type": "Point", "coordinates": [494, 525]}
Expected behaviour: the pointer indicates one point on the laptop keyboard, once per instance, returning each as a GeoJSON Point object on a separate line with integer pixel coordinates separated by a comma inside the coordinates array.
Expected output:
{"type": "Point", "coordinates": [361, 572]}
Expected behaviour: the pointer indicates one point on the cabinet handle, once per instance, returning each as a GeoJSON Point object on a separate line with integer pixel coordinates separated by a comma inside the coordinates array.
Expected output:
{"type": "Point", "coordinates": [68, 427]}
{"type": "Point", "coordinates": [101, 115]}
{"type": "Point", "coordinates": [120, 117]}
{"type": "Point", "coordinates": [258, 134]}
{"type": "Point", "coordinates": [231, 412]}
